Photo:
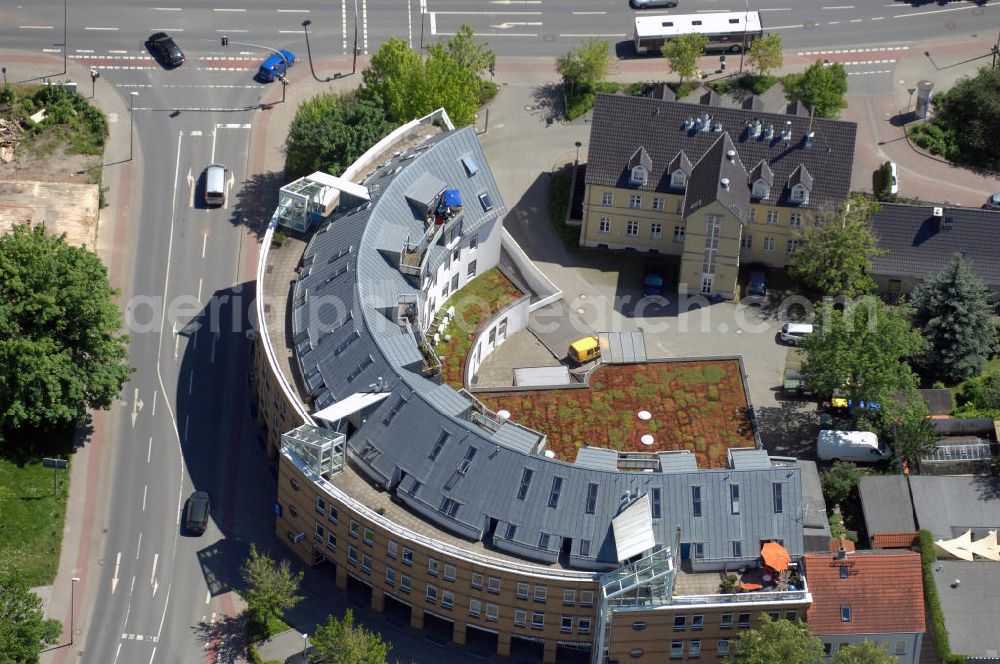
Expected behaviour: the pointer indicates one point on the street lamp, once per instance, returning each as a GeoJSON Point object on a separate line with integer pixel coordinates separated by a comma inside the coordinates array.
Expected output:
{"type": "Point", "coordinates": [226, 42]}
{"type": "Point", "coordinates": [578, 144]}
{"type": "Point", "coordinates": [745, 17]}
{"type": "Point", "coordinates": [72, 606]}
{"type": "Point", "coordinates": [94, 75]}
{"type": "Point", "coordinates": [65, 43]}
{"type": "Point", "coordinates": [4, 76]}
{"type": "Point", "coordinates": [131, 104]}
{"type": "Point", "coordinates": [354, 65]}
{"type": "Point", "coordinates": [305, 646]}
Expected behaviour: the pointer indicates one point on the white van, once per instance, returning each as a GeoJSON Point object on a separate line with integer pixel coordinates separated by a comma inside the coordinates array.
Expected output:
{"type": "Point", "coordinates": [794, 333]}
{"type": "Point", "coordinates": [215, 184]}
{"type": "Point", "coordinates": [861, 446]}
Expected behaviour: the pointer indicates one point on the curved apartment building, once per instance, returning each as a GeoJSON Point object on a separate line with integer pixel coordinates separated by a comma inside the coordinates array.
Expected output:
{"type": "Point", "coordinates": [421, 497]}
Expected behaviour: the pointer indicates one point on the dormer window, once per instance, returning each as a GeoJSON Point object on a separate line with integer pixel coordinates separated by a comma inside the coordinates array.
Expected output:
{"type": "Point", "coordinates": [639, 176]}
{"type": "Point", "coordinates": [799, 194]}
{"type": "Point", "coordinates": [760, 189]}
{"type": "Point", "coordinates": [678, 179]}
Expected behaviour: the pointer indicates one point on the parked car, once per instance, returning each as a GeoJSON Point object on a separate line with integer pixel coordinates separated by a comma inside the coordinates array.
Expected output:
{"type": "Point", "coordinates": [757, 284]}
{"type": "Point", "coordinates": [584, 350]}
{"type": "Point", "coordinates": [893, 178]}
{"type": "Point", "coordinates": [862, 446]}
{"type": "Point", "coordinates": [794, 333]}
{"type": "Point", "coordinates": [196, 512]}
{"type": "Point", "coordinates": [652, 4]}
{"type": "Point", "coordinates": [163, 47]}
{"type": "Point", "coordinates": [275, 65]}
{"type": "Point", "coordinates": [652, 284]}
{"type": "Point", "coordinates": [993, 202]}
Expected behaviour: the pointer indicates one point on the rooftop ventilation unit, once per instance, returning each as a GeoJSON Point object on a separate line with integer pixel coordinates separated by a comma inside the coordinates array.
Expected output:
{"type": "Point", "coordinates": [808, 138]}
{"type": "Point", "coordinates": [725, 183]}
{"type": "Point", "coordinates": [717, 127]}
{"type": "Point", "coordinates": [769, 133]}
{"type": "Point", "coordinates": [938, 212]}
{"type": "Point", "coordinates": [731, 154]}
{"type": "Point", "coordinates": [786, 135]}
{"type": "Point", "coordinates": [706, 122]}
{"type": "Point", "coordinates": [757, 126]}
{"type": "Point", "coordinates": [689, 123]}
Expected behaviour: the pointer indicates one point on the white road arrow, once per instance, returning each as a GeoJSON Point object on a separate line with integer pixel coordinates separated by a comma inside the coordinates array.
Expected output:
{"type": "Point", "coordinates": [508, 26]}
{"type": "Point", "coordinates": [114, 580]}
{"type": "Point", "coordinates": [190, 181]}
{"type": "Point", "coordinates": [177, 341]}
{"type": "Point", "coordinates": [229, 186]}
{"type": "Point", "coordinates": [136, 406]}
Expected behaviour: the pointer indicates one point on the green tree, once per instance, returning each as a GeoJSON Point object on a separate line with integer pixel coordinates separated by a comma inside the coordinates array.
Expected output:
{"type": "Point", "coordinates": [765, 54]}
{"type": "Point", "coordinates": [777, 641]}
{"type": "Point", "coordinates": [343, 642]}
{"type": "Point", "coordinates": [954, 313]}
{"type": "Point", "coordinates": [469, 53]}
{"type": "Point", "coordinates": [821, 87]}
{"type": "Point", "coordinates": [883, 182]}
{"type": "Point", "coordinates": [24, 631]}
{"type": "Point", "coordinates": [835, 252]}
{"type": "Point", "coordinates": [840, 482]}
{"type": "Point", "coordinates": [866, 652]}
{"type": "Point", "coordinates": [906, 425]}
{"type": "Point", "coordinates": [330, 132]}
{"type": "Point", "coordinates": [969, 115]}
{"type": "Point", "coordinates": [980, 397]}
{"type": "Point", "coordinates": [61, 347]}
{"type": "Point", "coordinates": [585, 65]}
{"type": "Point", "coordinates": [682, 54]}
{"type": "Point", "coordinates": [270, 588]}
{"type": "Point", "coordinates": [863, 350]}
{"type": "Point", "coordinates": [407, 87]}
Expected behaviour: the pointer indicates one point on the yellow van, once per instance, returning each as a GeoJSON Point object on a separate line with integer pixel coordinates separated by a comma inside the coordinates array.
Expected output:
{"type": "Point", "coordinates": [584, 350]}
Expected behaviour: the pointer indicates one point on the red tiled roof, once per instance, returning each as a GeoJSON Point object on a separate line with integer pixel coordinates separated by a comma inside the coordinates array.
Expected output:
{"type": "Point", "coordinates": [835, 545]}
{"type": "Point", "coordinates": [894, 540]}
{"type": "Point", "coordinates": [883, 588]}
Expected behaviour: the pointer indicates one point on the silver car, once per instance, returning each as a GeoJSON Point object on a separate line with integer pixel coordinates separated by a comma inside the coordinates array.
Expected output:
{"type": "Point", "coordinates": [652, 4]}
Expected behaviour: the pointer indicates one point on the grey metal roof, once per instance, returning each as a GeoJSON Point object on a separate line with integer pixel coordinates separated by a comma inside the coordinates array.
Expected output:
{"type": "Point", "coordinates": [432, 447]}
{"type": "Point", "coordinates": [622, 123]}
{"type": "Point", "coordinates": [597, 458]}
{"type": "Point", "coordinates": [622, 347]}
{"type": "Point", "coordinates": [680, 461]}
{"type": "Point", "coordinates": [949, 505]}
{"type": "Point", "coordinates": [748, 458]}
{"type": "Point", "coordinates": [954, 426]}
{"type": "Point", "coordinates": [919, 245]}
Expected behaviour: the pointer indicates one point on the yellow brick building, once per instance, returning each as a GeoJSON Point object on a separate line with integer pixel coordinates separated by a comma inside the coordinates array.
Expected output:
{"type": "Point", "coordinates": [716, 186]}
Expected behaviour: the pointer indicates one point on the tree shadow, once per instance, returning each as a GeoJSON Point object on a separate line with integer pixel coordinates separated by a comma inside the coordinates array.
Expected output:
{"type": "Point", "coordinates": [789, 429]}
{"type": "Point", "coordinates": [224, 640]}
{"type": "Point", "coordinates": [26, 444]}
{"type": "Point", "coordinates": [987, 486]}
{"type": "Point", "coordinates": [256, 201]}
{"type": "Point", "coordinates": [548, 101]}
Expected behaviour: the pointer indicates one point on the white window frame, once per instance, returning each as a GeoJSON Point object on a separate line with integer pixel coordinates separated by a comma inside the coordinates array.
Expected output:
{"type": "Point", "coordinates": [604, 226]}
{"type": "Point", "coordinates": [569, 597]}
{"type": "Point", "coordinates": [432, 566]}
{"type": "Point", "coordinates": [655, 230]}
{"type": "Point", "coordinates": [390, 575]}
{"type": "Point", "coordinates": [583, 626]}
{"type": "Point", "coordinates": [658, 204]}
{"type": "Point", "coordinates": [431, 594]}
{"type": "Point", "coordinates": [678, 179]}
{"type": "Point", "coordinates": [541, 593]}
{"type": "Point", "coordinates": [493, 585]}
{"type": "Point", "coordinates": [768, 243]}
{"type": "Point", "coordinates": [537, 620]}
{"type": "Point", "coordinates": [447, 599]}
{"type": "Point", "coordinates": [772, 217]}
{"type": "Point", "coordinates": [449, 572]}
{"type": "Point", "coordinates": [492, 612]}
{"type": "Point", "coordinates": [632, 228]}
{"type": "Point", "coordinates": [475, 607]}
{"type": "Point", "coordinates": [566, 624]}
{"type": "Point", "coordinates": [392, 549]}
{"type": "Point", "coordinates": [635, 201]}
{"type": "Point", "coordinates": [608, 199]}
{"type": "Point", "coordinates": [522, 590]}
{"type": "Point", "coordinates": [477, 580]}
{"type": "Point", "coordinates": [520, 617]}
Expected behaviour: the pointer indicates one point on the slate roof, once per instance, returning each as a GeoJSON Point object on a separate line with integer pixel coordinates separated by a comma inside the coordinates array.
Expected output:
{"type": "Point", "coordinates": [623, 123]}
{"type": "Point", "coordinates": [884, 590]}
{"type": "Point", "coordinates": [920, 245]}
{"type": "Point", "coordinates": [346, 340]}
{"type": "Point", "coordinates": [717, 178]}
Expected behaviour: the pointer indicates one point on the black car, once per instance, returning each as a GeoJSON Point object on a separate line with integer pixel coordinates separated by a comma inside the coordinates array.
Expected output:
{"type": "Point", "coordinates": [196, 513]}
{"type": "Point", "coordinates": [163, 47]}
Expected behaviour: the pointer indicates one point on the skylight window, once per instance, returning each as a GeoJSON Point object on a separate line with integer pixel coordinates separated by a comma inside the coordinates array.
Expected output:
{"type": "Point", "coordinates": [591, 498]}
{"type": "Point", "coordinates": [471, 167]}
{"type": "Point", "coordinates": [525, 483]}
{"type": "Point", "coordinates": [554, 494]}
{"type": "Point", "coordinates": [487, 201]}
{"type": "Point", "coordinates": [439, 444]}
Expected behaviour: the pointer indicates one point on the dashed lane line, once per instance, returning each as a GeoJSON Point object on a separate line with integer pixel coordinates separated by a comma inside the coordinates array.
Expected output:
{"type": "Point", "coordinates": [840, 51]}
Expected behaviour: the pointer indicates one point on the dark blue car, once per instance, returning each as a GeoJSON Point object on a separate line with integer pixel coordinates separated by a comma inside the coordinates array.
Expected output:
{"type": "Point", "coordinates": [275, 66]}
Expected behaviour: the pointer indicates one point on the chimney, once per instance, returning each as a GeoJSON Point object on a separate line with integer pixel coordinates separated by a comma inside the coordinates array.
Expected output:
{"type": "Point", "coordinates": [717, 127]}
{"type": "Point", "coordinates": [689, 122]}
{"type": "Point", "coordinates": [939, 212]}
{"type": "Point", "coordinates": [769, 134]}
{"type": "Point", "coordinates": [808, 138]}
{"type": "Point", "coordinates": [757, 126]}
{"type": "Point", "coordinates": [706, 123]}
{"type": "Point", "coordinates": [787, 134]}
{"type": "Point", "coordinates": [731, 155]}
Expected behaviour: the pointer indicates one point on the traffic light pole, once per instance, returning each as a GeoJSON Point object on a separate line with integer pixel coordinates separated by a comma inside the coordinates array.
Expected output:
{"type": "Point", "coordinates": [225, 42]}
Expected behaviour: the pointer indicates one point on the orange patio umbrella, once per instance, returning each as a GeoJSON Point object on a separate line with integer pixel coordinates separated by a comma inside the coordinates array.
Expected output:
{"type": "Point", "coordinates": [775, 556]}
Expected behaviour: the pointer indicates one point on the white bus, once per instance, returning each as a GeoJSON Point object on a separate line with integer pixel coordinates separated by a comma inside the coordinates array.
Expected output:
{"type": "Point", "coordinates": [726, 31]}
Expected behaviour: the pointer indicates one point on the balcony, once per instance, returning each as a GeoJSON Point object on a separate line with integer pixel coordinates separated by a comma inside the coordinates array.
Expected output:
{"type": "Point", "coordinates": [751, 586]}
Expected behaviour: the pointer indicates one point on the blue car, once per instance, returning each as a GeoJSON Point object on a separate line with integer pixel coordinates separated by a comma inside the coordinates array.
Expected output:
{"type": "Point", "coordinates": [275, 66]}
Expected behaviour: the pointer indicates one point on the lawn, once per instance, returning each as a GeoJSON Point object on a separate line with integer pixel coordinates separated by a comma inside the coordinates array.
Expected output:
{"type": "Point", "coordinates": [475, 304]}
{"type": "Point", "coordinates": [698, 406]}
{"type": "Point", "coordinates": [31, 520]}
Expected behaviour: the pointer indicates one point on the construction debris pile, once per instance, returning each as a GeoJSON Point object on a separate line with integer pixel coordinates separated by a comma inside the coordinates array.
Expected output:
{"type": "Point", "coordinates": [10, 134]}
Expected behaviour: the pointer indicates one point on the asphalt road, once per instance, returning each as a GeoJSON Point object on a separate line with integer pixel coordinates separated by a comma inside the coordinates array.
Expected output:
{"type": "Point", "coordinates": [187, 425]}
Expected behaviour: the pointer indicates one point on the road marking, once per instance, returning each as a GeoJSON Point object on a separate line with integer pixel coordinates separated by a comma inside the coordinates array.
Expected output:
{"type": "Point", "coordinates": [833, 23]}
{"type": "Point", "coordinates": [84, 50]}
{"type": "Point", "coordinates": [156, 559]}
{"type": "Point", "coordinates": [409, 23]}
{"type": "Point", "coordinates": [288, 32]}
{"type": "Point", "coordinates": [166, 602]}
{"type": "Point", "coordinates": [155, 392]}
{"type": "Point", "coordinates": [865, 73]}
{"type": "Point", "coordinates": [775, 9]}
{"type": "Point", "coordinates": [51, 50]}
{"type": "Point", "coordinates": [508, 25]}
{"type": "Point", "coordinates": [872, 49]}
{"type": "Point", "coordinates": [589, 13]}
{"type": "Point", "coordinates": [117, 51]}
{"type": "Point", "coordinates": [177, 341]}
{"type": "Point", "coordinates": [516, 2]}
{"type": "Point", "coordinates": [785, 27]}
{"type": "Point", "coordinates": [204, 243]}
{"type": "Point", "coordinates": [138, 547]}
{"type": "Point", "coordinates": [489, 13]}
{"type": "Point", "coordinates": [364, 23]}
{"type": "Point", "coordinates": [839, 7]}
{"type": "Point", "coordinates": [878, 18]}
{"type": "Point", "coordinates": [145, 488]}
{"type": "Point", "coordinates": [199, 300]}
{"type": "Point", "coordinates": [433, 16]}
{"type": "Point", "coordinates": [166, 9]}
{"type": "Point", "coordinates": [149, 449]}
{"type": "Point", "coordinates": [179, 495]}
{"type": "Point", "coordinates": [154, 651]}
{"type": "Point", "coordinates": [233, 125]}
{"type": "Point", "coordinates": [114, 579]}
{"type": "Point", "coordinates": [194, 132]}
{"type": "Point", "coordinates": [208, 598]}
{"type": "Point", "coordinates": [119, 649]}
{"type": "Point", "coordinates": [856, 20]}
{"type": "Point", "coordinates": [343, 24]}
{"type": "Point", "coordinates": [35, 27]}
{"type": "Point", "coordinates": [104, 29]}
{"type": "Point", "coordinates": [136, 406]}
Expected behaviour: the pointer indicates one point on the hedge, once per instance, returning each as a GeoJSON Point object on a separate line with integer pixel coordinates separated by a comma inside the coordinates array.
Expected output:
{"type": "Point", "coordinates": [937, 628]}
